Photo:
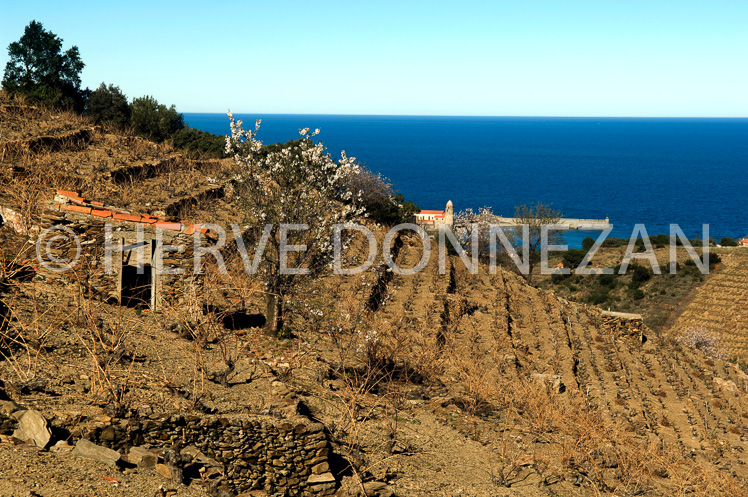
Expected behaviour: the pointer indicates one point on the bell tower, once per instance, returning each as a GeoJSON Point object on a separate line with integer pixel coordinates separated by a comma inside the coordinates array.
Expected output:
{"type": "Point", "coordinates": [449, 214]}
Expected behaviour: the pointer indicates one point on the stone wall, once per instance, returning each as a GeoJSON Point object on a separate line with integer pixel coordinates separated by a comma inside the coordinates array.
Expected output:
{"type": "Point", "coordinates": [260, 453]}
{"type": "Point", "coordinates": [623, 324]}
{"type": "Point", "coordinates": [287, 458]}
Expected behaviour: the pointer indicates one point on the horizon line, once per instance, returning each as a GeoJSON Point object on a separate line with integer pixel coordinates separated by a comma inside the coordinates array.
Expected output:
{"type": "Point", "coordinates": [471, 115]}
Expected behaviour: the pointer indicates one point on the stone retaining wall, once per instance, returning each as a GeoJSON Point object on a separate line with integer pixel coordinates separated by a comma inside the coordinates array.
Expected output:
{"type": "Point", "coordinates": [255, 453]}
{"type": "Point", "coordinates": [288, 458]}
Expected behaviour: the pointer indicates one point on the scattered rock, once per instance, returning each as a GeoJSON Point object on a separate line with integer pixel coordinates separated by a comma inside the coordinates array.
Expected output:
{"type": "Point", "coordinates": [321, 478]}
{"type": "Point", "coordinates": [163, 470]}
{"type": "Point", "coordinates": [8, 407]}
{"type": "Point", "coordinates": [85, 448]}
{"type": "Point", "coordinates": [442, 401]}
{"type": "Point", "coordinates": [378, 489]}
{"type": "Point", "coordinates": [726, 385]}
{"type": "Point", "coordinates": [280, 389]}
{"type": "Point", "coordinates": [6, 439]}
{"type": "Point", "coordinates": [173, 464]}
{"type": "Point", "coordinates": [142, 457]}
{"type": "Point", "coordinates": [62, 446]}
{"type": "Point", "coordinates": [32, 425]}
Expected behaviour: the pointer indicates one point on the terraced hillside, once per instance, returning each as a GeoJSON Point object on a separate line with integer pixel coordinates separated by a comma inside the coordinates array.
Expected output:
{"type": "Point", "coordinates": [554, 396]}
{"type": "Point", "coordinates": [41, 150]}
{"type": "Point", "coordinates": [720, 306]}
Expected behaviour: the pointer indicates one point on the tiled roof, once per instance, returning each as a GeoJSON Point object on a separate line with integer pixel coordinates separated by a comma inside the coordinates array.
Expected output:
{"type": "Point", "coordinates": [71, 201]}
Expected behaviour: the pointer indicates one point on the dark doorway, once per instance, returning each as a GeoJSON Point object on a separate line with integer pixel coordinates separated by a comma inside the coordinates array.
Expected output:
{"type": "Point", "coordinates": [240, 320]}
{"type": "Point", "coordinates": [136, 288]}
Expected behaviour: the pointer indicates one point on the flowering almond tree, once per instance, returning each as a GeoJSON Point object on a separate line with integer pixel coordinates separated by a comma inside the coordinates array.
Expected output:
{"type": "Point", "coordinates": [292, 196]}
{"type": "Point", "coordinates": [467, 220]}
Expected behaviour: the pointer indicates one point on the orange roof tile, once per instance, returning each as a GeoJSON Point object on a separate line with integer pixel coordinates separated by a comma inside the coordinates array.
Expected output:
{"type": "Point", "coordinates": [147, 219]}
{"type": "Point", "coordinates": [126, 217]}
{"type": "Point", "coordinates": [431, 212]}
{"type": "Point", "coordinates": [77, 208]}
{"type": "Point", "coordinates": [169, 226]}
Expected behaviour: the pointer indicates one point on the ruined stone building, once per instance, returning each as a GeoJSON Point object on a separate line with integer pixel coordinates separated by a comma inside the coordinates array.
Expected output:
{"type": "Point", "coordinates": [126, 258]}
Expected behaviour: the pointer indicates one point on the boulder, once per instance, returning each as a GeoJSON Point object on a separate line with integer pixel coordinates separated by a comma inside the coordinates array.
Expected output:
{"type": "Point", "coordinates": [85, 448]}
{"type": "Point", "coordinates": [32, 425]}
{"type": "Point", "coordinates": [142, 457]}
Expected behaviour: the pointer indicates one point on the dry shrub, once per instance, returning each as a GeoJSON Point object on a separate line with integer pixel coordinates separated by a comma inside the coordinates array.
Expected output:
{"type": "Point", "coordinates": [201, 313]}
{"type": "Point", "coordinates": [23, 337]}
{"type": "Point", "coordinates": [112, 347]}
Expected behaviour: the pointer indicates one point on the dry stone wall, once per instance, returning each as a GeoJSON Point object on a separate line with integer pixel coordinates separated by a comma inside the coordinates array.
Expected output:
{"type": "Point", "coordinates": [289, 458]}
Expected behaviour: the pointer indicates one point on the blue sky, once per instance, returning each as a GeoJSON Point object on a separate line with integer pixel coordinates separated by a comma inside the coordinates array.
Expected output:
{"type": "Point", "coordinates": [507, 58]}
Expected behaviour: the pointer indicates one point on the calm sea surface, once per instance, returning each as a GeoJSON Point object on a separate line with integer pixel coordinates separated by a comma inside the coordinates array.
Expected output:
{"type": "Point", "coordinates": [634, 170]}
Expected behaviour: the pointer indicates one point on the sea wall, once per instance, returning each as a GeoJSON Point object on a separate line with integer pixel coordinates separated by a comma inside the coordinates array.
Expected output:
{"type": "Point", "coordinates": [567, 222]}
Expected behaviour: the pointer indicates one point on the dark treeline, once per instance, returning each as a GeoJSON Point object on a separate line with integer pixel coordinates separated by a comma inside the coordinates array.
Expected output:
{"type": "Point", "coordinates": [42, 73]}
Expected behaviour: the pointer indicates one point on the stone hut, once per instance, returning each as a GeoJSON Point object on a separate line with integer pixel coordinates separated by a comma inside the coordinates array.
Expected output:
{"type": "Point", "coordinates": [130, 258]}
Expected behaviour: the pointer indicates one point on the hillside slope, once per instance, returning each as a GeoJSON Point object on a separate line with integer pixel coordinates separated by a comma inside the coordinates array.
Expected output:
{"type": "Point", "coordinates": [439, 383]}
{"type": "Point", "coordinates": [720, 306]}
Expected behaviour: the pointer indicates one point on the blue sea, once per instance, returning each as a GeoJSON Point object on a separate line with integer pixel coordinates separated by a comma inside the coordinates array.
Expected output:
{"type": "Point", "coordinates": [651, 171]}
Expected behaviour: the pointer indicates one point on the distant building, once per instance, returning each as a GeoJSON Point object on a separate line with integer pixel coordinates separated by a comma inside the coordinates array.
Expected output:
{"type": "Point", "coordinates": [431, 220]}
{"type": "Point", "coordinates": [743, 242]}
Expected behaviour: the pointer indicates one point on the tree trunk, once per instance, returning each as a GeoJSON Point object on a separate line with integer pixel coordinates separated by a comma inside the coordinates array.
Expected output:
{"type": "Point", "coordinates": [273, 314]}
